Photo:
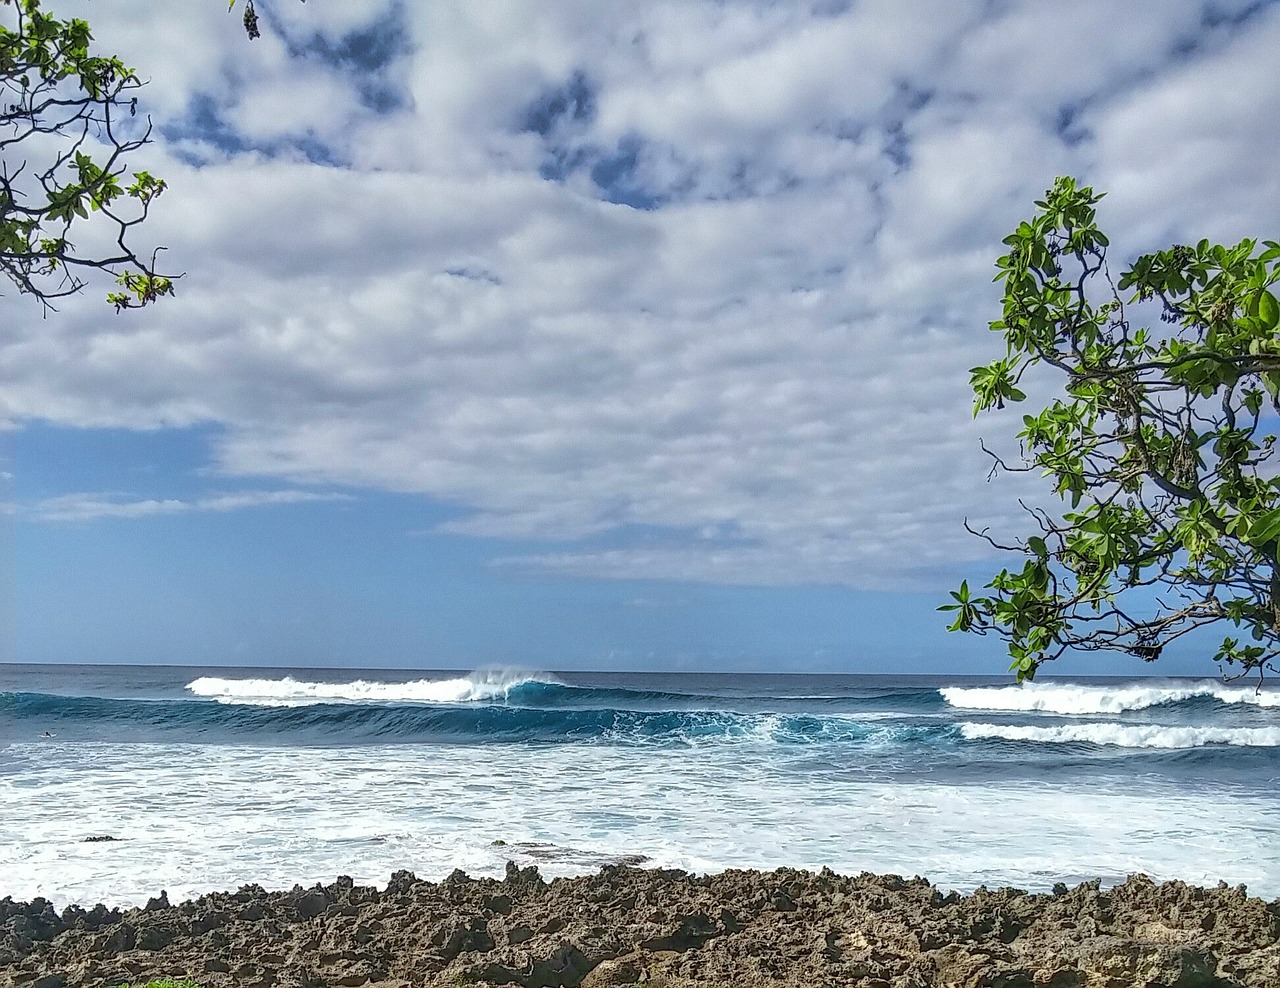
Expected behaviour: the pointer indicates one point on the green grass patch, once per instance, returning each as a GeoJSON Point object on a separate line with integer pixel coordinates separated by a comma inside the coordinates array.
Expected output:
{"type": "Point", "coordinates": [167, 983]}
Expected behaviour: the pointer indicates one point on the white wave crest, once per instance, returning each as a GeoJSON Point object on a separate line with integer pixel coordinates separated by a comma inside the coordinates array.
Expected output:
{"type": "Point", "coordinates": [290, 692]}
{"type": "Point", "coordinates": [1069, 698]}
{"type": "Point", "coordinates": [1129, 735]}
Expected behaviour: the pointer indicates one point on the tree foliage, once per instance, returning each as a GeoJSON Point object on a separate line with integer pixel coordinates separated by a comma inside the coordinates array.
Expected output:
{"type": "Point", "coordinates": [1159, 449]}
{"type": "Point", "coordinates": [67, 130]}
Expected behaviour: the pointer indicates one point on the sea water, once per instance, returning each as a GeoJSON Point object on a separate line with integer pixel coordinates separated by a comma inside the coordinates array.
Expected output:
{"type": "Point", "coordinates": [214, 778]}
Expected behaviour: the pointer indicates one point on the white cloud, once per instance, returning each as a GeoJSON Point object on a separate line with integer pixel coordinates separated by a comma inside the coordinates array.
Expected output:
{"type": "Point", "coordinates": [1192, 153]}
{"type": "Point", "coordinates": [766, 376]}
{"type": "Point", "coordinates": [81, 507]}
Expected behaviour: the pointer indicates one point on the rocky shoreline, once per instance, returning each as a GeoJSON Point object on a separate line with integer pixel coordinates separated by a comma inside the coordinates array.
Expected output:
{"type": "Point", "coordinates": [627, 926]}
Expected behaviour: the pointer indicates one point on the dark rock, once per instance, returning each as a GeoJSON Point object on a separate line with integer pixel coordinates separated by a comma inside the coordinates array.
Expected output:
{"type": "Point", "coordinates": [311, 904]}
{"type": "Point", "coordinates": [689, 932]}
{"type": "Point", "coordinates": [401, 882]}
{"type": "Point", "coordinates": [565, 968]}
{"type": "Point", "coordinates": [161, 901]}
{"type": "Point", "coordinates": [499, 904]}
{"type": "Point", "coordinates": [206, 922]}
{"type": "Point", "coordinates": [519, 934]}
{"type": "Point", "coordinates": [453, 937]}
{"type": "Point", "coordinates": [624, 926]}
{"type": "Point", "coordinates": [154, 937]}
{"type": "Point", "coordinates": [116, 939]}
{"type": "Point", "coordinates": [522, 876]}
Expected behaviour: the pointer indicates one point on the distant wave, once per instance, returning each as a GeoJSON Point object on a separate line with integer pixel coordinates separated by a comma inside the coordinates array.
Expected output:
{"type": "Point", "coordinates": [544, 691]}
{"type": "Point", "coordinates": [288, 692]}
{"type": "Point", "coordinates": [1069, 699]}
{"type": "Point", "coordinates": [351, 722]}
{"type": "Point", "coordinates": [1127, 735]}
{"type": "Point", "coordinates": [320, 722]}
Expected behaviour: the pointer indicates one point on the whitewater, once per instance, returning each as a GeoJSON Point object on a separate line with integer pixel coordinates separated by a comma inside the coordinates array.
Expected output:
{"type": "Point", "coordinates": [212, 778]}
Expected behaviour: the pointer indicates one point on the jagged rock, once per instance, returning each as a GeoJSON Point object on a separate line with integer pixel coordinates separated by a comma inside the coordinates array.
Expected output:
{"type": "Point", "coordinates": [518, 876]}
{"type": "Point", "coordinates": [161, 901]}
{"type": "Point", "coordinates": [311, 904]}
{"type": "Point", "coordinates": [625, 926]}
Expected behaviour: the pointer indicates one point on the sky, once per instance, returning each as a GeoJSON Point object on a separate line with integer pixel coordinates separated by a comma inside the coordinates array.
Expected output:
{"type": "Point", "coordinates": [587, 336]}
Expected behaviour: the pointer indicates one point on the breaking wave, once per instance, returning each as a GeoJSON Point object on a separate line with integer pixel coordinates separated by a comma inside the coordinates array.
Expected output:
{"type": "Point", "coordinates": [1069, 699]}
{"type": "Point", "coordinates": [545, 691]}
{"type": "Point", "coordinates": [437, 721]}
{"type": "Point", "coordinates": [1127, 735]}
{"type": "Point", "coordinates": [513, 706]}
{"type": "Point", "coordinates": [481, 686]}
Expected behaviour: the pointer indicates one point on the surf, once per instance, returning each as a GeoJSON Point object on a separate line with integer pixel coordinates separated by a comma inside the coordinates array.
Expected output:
{"type": "Point", "coordinates": [1069, 699]}
{"type": "Point", "coordinates": [1127, 735]}
{"type": "Point", "coordinates": [545, 690]}
{"type": "Point", "coordinates": [480, 686]}
{"type": "Point", "coordinates": [321, 722]}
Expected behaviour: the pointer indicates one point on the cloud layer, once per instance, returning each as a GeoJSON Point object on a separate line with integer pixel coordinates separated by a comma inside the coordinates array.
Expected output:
{"type": "Point", "coordinates": [683, 291]}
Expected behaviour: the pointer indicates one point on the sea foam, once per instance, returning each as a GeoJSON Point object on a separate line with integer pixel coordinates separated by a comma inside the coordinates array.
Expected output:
{"type": "Point", "coordinates": [1073, 699]}
{"type": "Point", "coordinates": [289, 692]}
{"type": "Point", "coordinates": [389, 807]}
{"type": "Point", "coordinates": [362, 778]}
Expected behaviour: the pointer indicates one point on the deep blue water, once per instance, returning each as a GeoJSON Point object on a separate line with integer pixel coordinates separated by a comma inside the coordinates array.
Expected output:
{"type": "Point", "coordinates": [962, 727]}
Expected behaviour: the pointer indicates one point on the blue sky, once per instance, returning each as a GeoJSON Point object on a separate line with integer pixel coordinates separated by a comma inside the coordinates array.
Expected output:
{"type": "Point", "coordinates": [582, 336]}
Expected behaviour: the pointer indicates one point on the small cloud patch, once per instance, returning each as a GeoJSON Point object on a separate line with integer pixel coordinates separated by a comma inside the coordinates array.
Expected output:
{"type": "Point", "coordinates": [89, 506]}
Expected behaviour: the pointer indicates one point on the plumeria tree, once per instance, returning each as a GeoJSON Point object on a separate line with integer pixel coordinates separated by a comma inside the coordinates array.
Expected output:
{"type": "Point", "coordinates": [1158, 447]}
{"type": "Point", "coordinates": [69, 128]}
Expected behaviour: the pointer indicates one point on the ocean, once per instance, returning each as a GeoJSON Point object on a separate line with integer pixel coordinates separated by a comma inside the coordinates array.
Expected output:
{"type": "Point", "coordinates": [213, 778]}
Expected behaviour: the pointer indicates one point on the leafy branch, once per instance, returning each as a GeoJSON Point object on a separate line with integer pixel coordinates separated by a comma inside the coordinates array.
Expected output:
{"type": "Point", "coordinates": [1159, 444]}
{"type": "Point", "coordinates": [67, 128]}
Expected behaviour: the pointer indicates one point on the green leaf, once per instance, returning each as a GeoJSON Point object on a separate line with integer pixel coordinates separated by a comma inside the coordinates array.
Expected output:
{"type": "Point", "coordinates": [1265, 528]}
{"type": "Point", "coordinates": [1268, 311]}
